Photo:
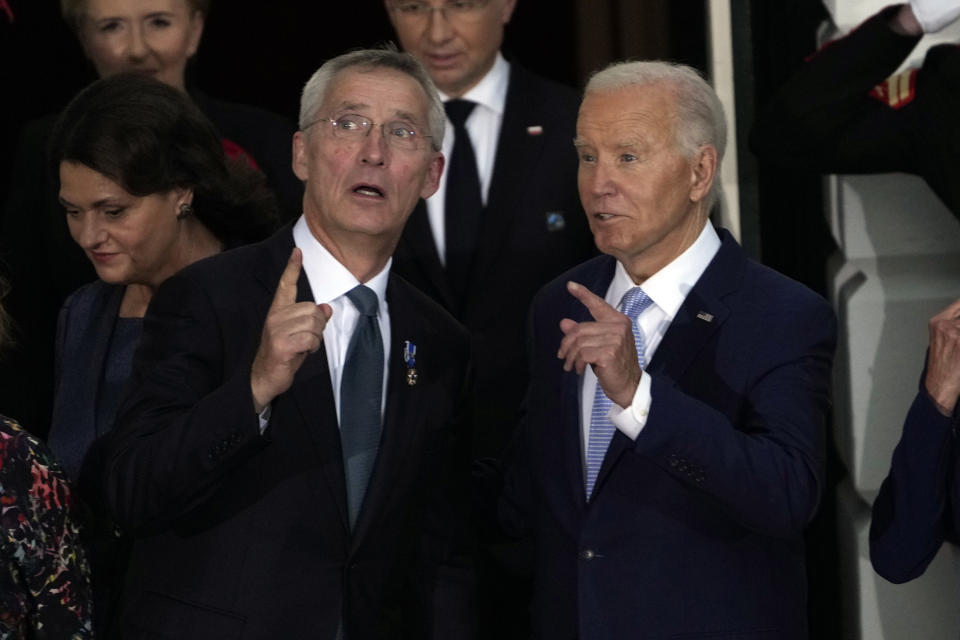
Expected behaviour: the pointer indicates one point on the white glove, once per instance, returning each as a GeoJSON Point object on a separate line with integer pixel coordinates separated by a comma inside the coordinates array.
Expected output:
{"type": "Point", "coordinates": [934, 15]}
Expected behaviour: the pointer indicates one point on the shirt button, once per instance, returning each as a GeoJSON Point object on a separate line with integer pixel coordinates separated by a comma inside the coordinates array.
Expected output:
{"type": "Point", "coordinates": [587, 554]}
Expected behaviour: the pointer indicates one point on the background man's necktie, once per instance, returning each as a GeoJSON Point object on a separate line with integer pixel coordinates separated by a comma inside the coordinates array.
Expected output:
{"type": "Point", "coordinates": [463, 206]}
{"type": "Point", "coordinates": [361, 387]}
{"type": "Point", "coordinates": [632, 304]}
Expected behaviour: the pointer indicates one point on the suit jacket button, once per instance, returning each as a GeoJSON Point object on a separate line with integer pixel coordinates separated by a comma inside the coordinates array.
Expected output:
{"type": "Point", "coordinates": [587, 554]}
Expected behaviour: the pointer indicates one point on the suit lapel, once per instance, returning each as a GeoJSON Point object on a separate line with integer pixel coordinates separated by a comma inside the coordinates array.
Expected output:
{"type": "Point", "coordinates": [517, 154]}
{"type": "Point", "coordinates": [312, 391]}
{"type": "Point", "coordinates": [598, 281]}
{"type": "Point", "coordinates": [700, 316]}
{"type": "Point", "coordinates": [401, 417]}
{"type": "Point", "coordinates": [419, 248]}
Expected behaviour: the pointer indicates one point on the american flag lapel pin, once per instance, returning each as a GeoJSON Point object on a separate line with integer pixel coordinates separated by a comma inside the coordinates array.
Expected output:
{"type": "Point", "coordinates": [706, 317]}
{"type": "Point", "coordinates": [410, 359]}
{"type": "Point", "coordinates": [534, 130]}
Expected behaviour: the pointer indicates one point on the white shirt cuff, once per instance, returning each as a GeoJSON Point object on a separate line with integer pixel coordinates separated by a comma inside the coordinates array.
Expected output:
{"type": "Point", "coordinates": [631, 420]}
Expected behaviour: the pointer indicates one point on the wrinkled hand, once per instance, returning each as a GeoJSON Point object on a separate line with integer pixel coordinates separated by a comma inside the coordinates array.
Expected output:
{"type": "Point", "coordinates": [943, 364]}
{"type": "Point", "coordinates": [606, 344]}
{"type": "Point", "coordinates": [934, 15]}
{"type": "Point", "coordinates": [291, 331]}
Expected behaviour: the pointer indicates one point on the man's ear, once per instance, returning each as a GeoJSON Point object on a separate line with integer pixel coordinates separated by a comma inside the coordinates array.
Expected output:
{"type": "Point", "coordinates": [300, 164]}
{"type": "Point", "coordinates": [507, 12]}
{"type": "Point", "coordinates": [431, 181]}
{"type": "Point", "coordinates": [703, 172]}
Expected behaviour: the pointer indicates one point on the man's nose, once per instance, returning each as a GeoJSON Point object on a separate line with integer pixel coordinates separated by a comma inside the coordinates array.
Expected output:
{"type": "Point", "coordinates": [374, 148]}
{"type": "Point", "coordinates": [439, 29]}
{"type": "Point", "coordinates": [600, 180]}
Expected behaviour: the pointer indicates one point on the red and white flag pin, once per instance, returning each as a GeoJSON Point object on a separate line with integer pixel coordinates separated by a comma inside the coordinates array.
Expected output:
{"type": "Point", "coordinates": [534, 130]}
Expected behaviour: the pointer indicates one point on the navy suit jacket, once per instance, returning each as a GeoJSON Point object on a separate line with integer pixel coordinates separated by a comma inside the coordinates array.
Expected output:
{"type": "Point", "coordinates": [533, 229]}
{"type": "Point", "coordinates": [695, 529]}
{"type": "Point", "coordinates": [918, 506]}
{"type": "Point", "coordinates": [243, 535]}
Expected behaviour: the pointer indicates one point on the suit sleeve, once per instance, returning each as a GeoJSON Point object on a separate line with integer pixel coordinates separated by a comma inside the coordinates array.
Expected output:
{"type": "Point", "coordinates": [761, 463]}
{"type": "Point", "coordinates": [824, 119]}
{"type": "Point", "coordinates": [912, 513]}
{"type": "Point", "coordinates": [189, 418]}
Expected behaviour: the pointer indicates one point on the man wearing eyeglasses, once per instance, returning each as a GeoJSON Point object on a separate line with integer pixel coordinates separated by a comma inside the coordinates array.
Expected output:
{"type": "Point", "coordinates": [291, 459]}
{"type": "Point", "coordinates": [506, 218]}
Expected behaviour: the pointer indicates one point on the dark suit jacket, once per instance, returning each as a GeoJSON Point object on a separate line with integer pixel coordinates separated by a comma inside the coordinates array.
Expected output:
{"type": "Point", "coordinates": [695, 528]}
{"type": "Point", "coordinates": [243, 535]}
{"type": "Point", "coordinates": [520, 248]}
{"type": "Point", "coordinates": [918, 506]}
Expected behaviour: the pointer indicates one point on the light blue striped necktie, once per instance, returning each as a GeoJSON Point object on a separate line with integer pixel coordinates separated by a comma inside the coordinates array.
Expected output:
{"type": "Point", "coordinates": [632, 305]}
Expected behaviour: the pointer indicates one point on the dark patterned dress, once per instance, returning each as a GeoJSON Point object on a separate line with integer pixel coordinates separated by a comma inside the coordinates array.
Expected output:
{"type": "Point", "coordinates": [44, 579]}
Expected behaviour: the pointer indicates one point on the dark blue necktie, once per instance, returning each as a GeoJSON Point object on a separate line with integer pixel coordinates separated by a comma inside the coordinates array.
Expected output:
{"type": "Point", "coordinates": [463, 206]}
{"type": "Point", "coordinates": [361, 388]}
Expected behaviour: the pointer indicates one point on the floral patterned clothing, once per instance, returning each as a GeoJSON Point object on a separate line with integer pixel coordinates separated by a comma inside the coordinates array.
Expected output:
{"type": "Point", "coordinates": [44, 578]}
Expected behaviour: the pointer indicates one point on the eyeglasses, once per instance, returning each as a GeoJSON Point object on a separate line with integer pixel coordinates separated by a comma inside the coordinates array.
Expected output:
{"type": "Point", "coordinates": [413, 11]}
{"type": "Point", "coordinates": [354, 127]}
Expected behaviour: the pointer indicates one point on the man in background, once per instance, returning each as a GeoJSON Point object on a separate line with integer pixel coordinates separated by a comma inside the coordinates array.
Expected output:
{"type": "Point", "coordinates": [504, 221]}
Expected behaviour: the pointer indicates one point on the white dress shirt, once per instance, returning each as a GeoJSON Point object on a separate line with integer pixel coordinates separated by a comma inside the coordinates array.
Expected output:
{"type": "Point", "coordinates": [329, 281]}
{"type": "Point", "coordinates": [483, 126]}
{"type": "Point", "coordinates": [667, 288]}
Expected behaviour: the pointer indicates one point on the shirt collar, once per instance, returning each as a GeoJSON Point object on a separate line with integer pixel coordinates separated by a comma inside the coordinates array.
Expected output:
{"type": "Point", "coordinates": [491, 91]}
{"type": "Point", "coordinates": [669, 286]}
{"type": "Point", "coordinates": [327, 277]}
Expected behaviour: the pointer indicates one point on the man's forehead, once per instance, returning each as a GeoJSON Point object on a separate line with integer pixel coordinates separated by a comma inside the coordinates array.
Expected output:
{"type": "Point", "coordinates": [360, 89]}
{"type": "Point", "coordinates": [640, 107]}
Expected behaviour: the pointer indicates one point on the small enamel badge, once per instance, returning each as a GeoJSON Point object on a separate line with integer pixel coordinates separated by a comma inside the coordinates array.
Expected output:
{"type": "Point", "coordinates": [706, 317]}
{"type": "Point", "coordinates": [555, 221]}
{"type": "Point", "coordinates": [410, 358]}
{"type": "Point", "coordinates": [534, 130]}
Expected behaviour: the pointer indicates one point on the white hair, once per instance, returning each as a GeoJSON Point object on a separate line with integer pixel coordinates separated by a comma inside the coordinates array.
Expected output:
{"type": "Point", "coordinates": [700, 118]}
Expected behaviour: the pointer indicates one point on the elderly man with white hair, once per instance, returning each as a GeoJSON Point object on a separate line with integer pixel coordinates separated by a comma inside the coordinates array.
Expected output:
{"type": "Point", "coordinates": [672, 449]}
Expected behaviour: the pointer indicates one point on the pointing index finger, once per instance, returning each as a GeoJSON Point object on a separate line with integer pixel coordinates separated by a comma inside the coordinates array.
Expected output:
{"type": "Point", "coordinates": [287, 287]}
{"type": "Point", "coordinates": [599, 308]}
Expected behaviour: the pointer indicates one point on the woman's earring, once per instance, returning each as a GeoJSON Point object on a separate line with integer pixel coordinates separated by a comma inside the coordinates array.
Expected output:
{"type": "Point", "coordinates": [186, 209]}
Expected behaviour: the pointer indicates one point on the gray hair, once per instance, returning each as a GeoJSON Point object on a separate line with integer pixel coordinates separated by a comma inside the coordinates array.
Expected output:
{"type": "Point", "coordinates": [387, 57]}
{"type": "Point", "coordinates": [700, 118]}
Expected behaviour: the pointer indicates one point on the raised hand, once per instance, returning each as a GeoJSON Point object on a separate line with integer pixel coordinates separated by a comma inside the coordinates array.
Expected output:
{"type": "Point", "coordinates": [291, 331]}
{"type": "Point", "coordinates": [606, 344]}
{"type": "Point", "coordinates": [943, 363]}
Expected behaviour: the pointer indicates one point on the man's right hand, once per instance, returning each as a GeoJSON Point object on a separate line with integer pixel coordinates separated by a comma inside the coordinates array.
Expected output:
{"type": "Point", "coordinates": [943, 363]}
{"type": "Point", "coordinates": [291, 331]}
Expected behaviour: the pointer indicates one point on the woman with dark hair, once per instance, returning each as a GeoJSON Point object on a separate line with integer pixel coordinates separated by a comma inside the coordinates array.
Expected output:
{"type": "Point", "coordinates": [44, 578]}
{"type": "Point", "coordinates": [147, 190]}
{"type": "Point", "coordinates": [156, 38]}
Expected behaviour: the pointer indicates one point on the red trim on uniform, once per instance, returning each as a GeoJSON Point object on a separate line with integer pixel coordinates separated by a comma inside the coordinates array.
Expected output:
{"type": "Point", "coordinates": [897, 91]}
